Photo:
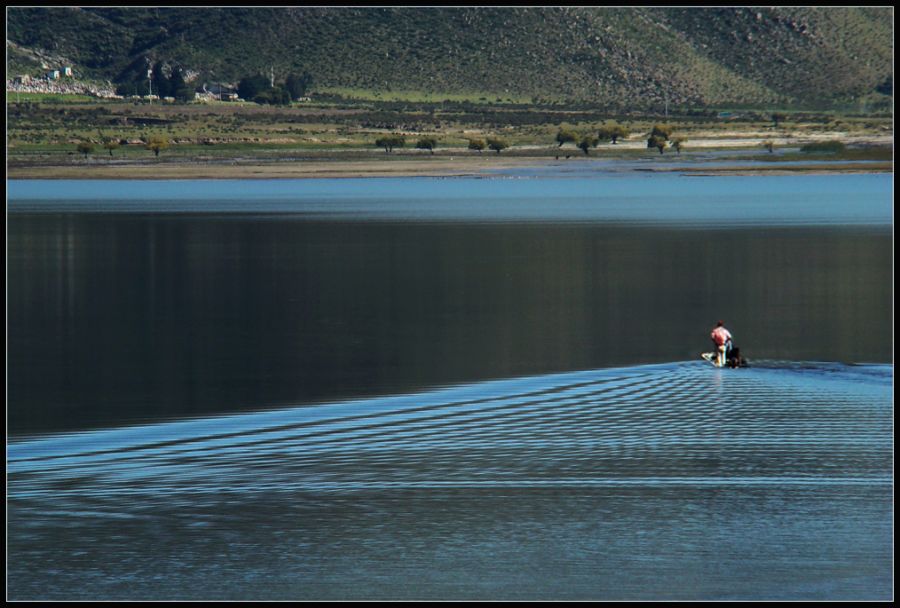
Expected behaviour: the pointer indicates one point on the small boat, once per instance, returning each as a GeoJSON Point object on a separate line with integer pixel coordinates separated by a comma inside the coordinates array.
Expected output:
{"type": "Point", "coordinates": [733, 359]}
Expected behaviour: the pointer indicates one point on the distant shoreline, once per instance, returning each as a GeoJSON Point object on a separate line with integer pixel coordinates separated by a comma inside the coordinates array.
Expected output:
{"type": "Point", "coordinates": [359, 163]}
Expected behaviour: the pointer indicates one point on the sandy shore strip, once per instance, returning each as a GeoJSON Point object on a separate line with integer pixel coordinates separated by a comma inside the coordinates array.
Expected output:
{"type": "Point", "coordinates": [440, 167]}
{"type": "Point", "coordinates": [776, 169]}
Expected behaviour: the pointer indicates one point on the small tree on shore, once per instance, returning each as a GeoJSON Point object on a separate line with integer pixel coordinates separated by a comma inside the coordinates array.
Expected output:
{"type": "Point", "coordinates": [496, 144]}
{"type": "Point", "coordinates": [613, 132]}
{"type": "Point", "coordinates": [157, 143]}
{"type": "Point", "coordinates": [587, 142]}
{"type": "Point", "coordinates": [111, 144]}
{"type": "Point", "coordinates": [778, 117]}
{"type": "Point", "coordinates": [390, 142]}
{"type": "Point", "coordinates": [397, 141]}
{"type": "Point", "coordinates": [664, 131]}
{"type": "Point", "coordinates": [85, 147]}
{"type": "Point", "coordinates": [678, 143]}
{"type": "Point", "coordinates": [426, 143]}
{"type": "Point", "coordinates": [658, 137]}
{"type": "Point", "coordinates": [769, 145]}
{"type": "Point", "coordinates": [477, 144]}
{"type": "Point", "coordinates": [655, 141]}
{"type": "Point", "coordinates": [565, 135]}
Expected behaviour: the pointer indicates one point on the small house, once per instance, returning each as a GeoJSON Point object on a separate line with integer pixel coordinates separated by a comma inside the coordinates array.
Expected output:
{"type": "Point", "coordinates": [67, 71]}
{"type": "Point", "coordinates": [53, 75]}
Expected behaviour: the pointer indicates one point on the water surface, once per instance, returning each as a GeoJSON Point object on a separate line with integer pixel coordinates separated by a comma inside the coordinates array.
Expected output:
{"type": "Point", "coordinates": [450, 388]}
{"type": "Point", "coordinates": [671, 481]}
{"type": "Point", "coordinates": [223, 296]}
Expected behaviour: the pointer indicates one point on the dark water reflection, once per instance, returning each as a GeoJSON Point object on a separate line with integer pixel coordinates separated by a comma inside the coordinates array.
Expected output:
{"type": "Point", "coordinates": [134, 317]}
{"type": "Point", "coordinates": [191, 380]}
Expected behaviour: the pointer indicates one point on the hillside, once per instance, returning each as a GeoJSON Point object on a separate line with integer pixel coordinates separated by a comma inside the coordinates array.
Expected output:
{"type": "Point", "coordinates": [623, 57]}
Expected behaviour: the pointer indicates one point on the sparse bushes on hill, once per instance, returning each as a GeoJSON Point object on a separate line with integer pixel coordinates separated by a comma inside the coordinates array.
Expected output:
{"type": "Point", "coordinates": [615, 56]}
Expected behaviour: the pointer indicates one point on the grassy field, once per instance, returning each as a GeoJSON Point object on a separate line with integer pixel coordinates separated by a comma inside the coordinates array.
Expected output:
{"type": "Point", "coordinates": [866, 153]}
{"type": "Point", "coordinates": [16, 97]}
{"type": "Point", "coordinates": [477, 97]}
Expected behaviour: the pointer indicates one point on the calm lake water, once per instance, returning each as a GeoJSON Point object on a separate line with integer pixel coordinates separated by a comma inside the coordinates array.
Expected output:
{"type": "Point", "coordinates": [456, 388]}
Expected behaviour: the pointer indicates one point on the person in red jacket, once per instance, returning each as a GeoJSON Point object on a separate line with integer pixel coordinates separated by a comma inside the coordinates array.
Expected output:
{"type": "Point", "coordinates": [721, 338]}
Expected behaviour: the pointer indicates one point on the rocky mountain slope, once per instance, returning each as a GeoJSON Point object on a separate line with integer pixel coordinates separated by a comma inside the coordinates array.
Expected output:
{"type": "Point", "coordinates": [623, 57]}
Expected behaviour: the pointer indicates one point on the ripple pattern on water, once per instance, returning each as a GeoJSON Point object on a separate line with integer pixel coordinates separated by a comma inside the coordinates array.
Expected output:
{"type": "Point", "coordinates": [677, 424]}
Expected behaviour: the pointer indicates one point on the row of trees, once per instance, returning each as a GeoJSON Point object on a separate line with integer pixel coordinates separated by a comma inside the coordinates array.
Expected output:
{"type": "Point", "coordinates": [260, 89]}
{"type": "Point", "coordinates": [160, 84]}
{"type": "Point", "coordinates": [494, 143]}
{"type": "Point", "coordinates": [171, 83]}
{"type": "Point", "coordinates": [660, 137]}
{"type": "Point", "coordinates": [389, 142]}
{"type": "Point", "coordinates": [156, 144]}
{"type": "Point", "coordinates": [606, 133]}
